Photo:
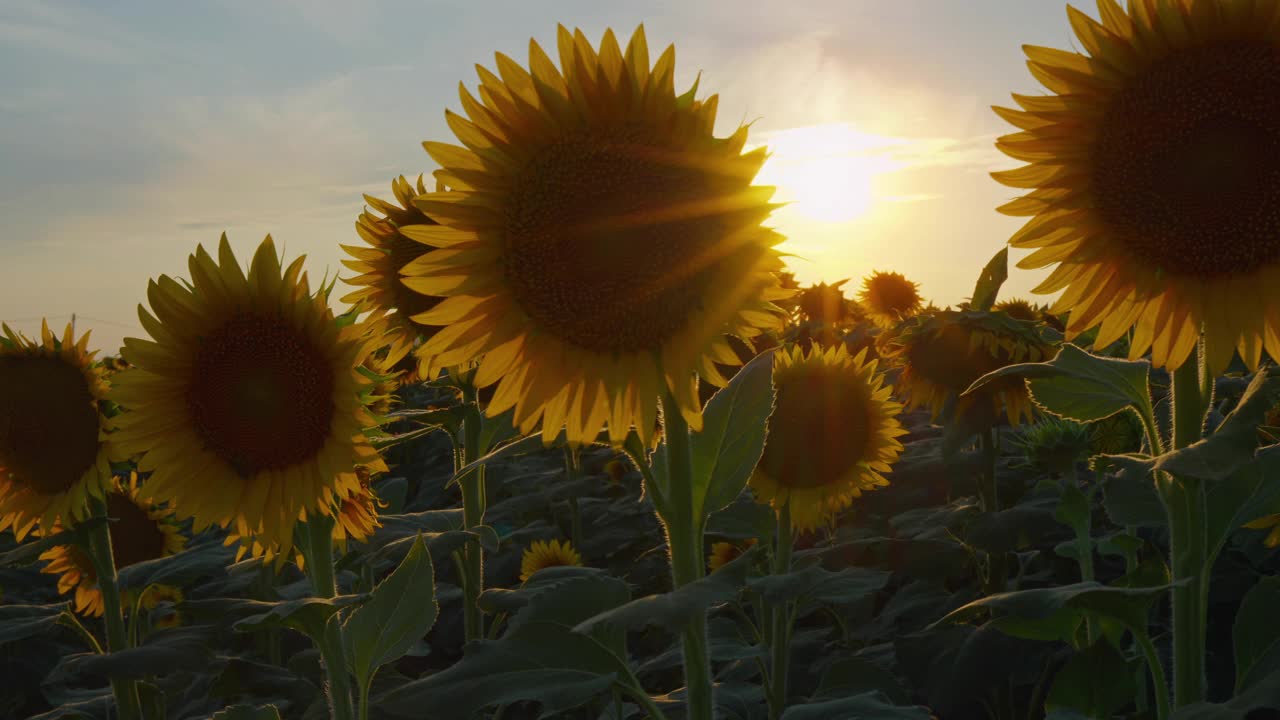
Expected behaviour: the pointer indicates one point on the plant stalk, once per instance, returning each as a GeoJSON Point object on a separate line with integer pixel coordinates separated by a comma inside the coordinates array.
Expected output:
{"type": "Point", "coordinates": [989, 501]}
{"type": "Point", "coordinates": [473, 507]}
{"type": "Point", "coordinates": [780, 617]}
{"type": "Point", "coordinates": [98, 541]}
{"type": "Point", "coordinates": [324, 584]}
{"type": "Point", "coordinates": [573, 470]}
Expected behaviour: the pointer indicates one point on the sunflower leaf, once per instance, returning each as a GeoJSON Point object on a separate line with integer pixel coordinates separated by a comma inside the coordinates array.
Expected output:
{"type": "Point", "coordinates": [989, 282]}
{"type": "Point", "coordinates": [247, 712]}
{"type": "Point", "coordinates": [1128, 605]}
{"type": "Point", "coordinates": [1257, 636]}
{"type": "Point", "coordinates": [1096, 682]}
{"type": "Point", "coordinates": [307, 616]}
{"type": "Point", "coordinates": [18, 622]}
{"type": "Point", "coordinates": [1079, 386]}
{"type": "Point", "coordinates": [734, 425]}
{"type": "Point", "coordinates": [1235, 441]}
{"type": "Point", "coordinates": [873, 705]}
{"type": "Point", "coordinates": [164, 652]}
{"type": "Point", "coordinates": [30, 550]}
{"type": "Point", "coordinates": [399, 612]}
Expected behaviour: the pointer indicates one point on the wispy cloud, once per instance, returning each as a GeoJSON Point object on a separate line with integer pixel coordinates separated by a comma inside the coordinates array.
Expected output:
{"type": "Point", "coordinates": [67, 29]}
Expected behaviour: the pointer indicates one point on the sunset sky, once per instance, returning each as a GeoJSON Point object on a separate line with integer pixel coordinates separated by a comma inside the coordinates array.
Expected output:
{"type": "Point", "coordinates": [131, 131]}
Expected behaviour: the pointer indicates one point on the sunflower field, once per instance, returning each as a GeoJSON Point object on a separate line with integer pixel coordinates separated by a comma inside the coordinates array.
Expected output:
{"type": "Point", "coordinates": [569, 441]}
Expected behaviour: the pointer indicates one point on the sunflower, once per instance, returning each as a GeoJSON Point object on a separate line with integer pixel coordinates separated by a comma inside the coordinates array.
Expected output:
{"type": "Point", "coordinates": [1265, 522]}
{"type": "Point", "coordinates": [54, 447]}
{"type": "Point", "coordinates": [140, 531]}
{"type": "Point", "coordinates": [599, 242]}
{"type": "Point", "coordinates": [889, 297]}
{"type": "Point", "coordinates": [1115, 434]}
{"type": "Point", "coordinates": [724, 552]}
{"type": "Point", "coordinates": [943, 353]}
{"type": "Point", "coordinates": [823, 303]}
{"type": "Point", "coordinates": [1154, 177]}
{"type": "Point", "coordinates": [544, 554]}
{"type": "Point", "coordinates": [1018, 309]}
{"type": "Point", "coordinates": [832, 434]}
{"type": "Point", "coordinates": [247, 404]}
{"type": "Point", "coordinates": [380, 265]}
{"type": "Point", "coordinates": [357, 514]}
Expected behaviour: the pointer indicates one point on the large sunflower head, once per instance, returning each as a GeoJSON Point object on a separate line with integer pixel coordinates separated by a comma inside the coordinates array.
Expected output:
{"type": "Point", "coordinates": [380, 264]}
{"type": "Point", "coordinates": [246, 404]}
{"type": "Point", "coordinates": [833, 433]}
{"type": "Point", "coordinates": [140, 531]}
{"type": "Point", "coordinates": [54, 447]}
{"type": "Point", "coordinates": [1154, 177]}
{"type": "Point", "coordinates": [826, 304]}
{"type": "Point", "coordinates": [598, 243]}
{"type": "Point", "coordinates": [544, 554]}
{"type": "Point", "coordinates": [889, 298]}
{"type": "Point", "coordinates": [943, 353]}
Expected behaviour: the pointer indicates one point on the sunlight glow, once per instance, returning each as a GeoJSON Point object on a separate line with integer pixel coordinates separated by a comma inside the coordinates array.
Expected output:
{"type": "Point", "coordinates": [826, 172]}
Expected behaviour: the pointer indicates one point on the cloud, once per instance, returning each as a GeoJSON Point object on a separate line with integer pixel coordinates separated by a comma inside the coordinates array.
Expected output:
{"type": "Point", "coordinates": [70, 30]}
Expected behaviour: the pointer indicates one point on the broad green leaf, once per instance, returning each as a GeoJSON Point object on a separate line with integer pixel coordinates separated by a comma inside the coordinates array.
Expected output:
{"type": "Point", "coordinates": [1262, 695]}
{"type": "Point", "coordinates": [1073, 509]}
{"type": "Point", "coordinates": [1079, 386]}
{"type": "Point", "coordinates": [167, 651]}
{"type": "Point", "coordinates": [853, 676]}
{"type": "Point", "coordinates": [496, 600]}
{"type": "Point", "coordinates": [29, 551]}
{"type": "Point", "coordinates": [399, 611]}
{"type": "Point", "coordinates": [676, 609]}
{"type": "Point", "coordinates": [539, 662]}
{"type": "Point", "coordinates": [956, 665]}
{"type": "Point", "coordinates": [1247, 494]}
{"type": "Point", "coordinates": [1257, 634]}
{"type": "Point", "coordinates": [247, 712]}
{"type": "Point", "coordinates": [989, 282]}
{"type": "Point", "coordinates": [18, 622]}
{"type": "Point", "coordinates": [202, 559]}
{"type": "Point", "coordinates": [1234, 443]}
{"type": "Point", "coordinates": [572, 600]}
{"type": "Point", "coordinates": [1096, 682]}
{"type": "Point", "coordinates": [1126, 605]}
{"type": "Point", "coordinates": [732, 439]}
{"type": "Point", "coordinates": [821, 585]}
{"type": "Point", "coordinates": [1129, 496]}
{"type": "Point", "coordinates": [497, 430]}
{"type": "Point", "coordinates": [307, 616]}
{"type": "Point", "coordinates": [867, 706]}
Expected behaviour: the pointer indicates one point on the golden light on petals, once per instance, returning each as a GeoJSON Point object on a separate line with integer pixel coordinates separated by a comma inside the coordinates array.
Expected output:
{"type": "Point", "coordinates": [246, 406]}
{"type": "Point", "coordinates": [54, 448]}
{"type": "Point", "coordinates": [889, 298]}
{"type": "Point", "coordinates": [598, 242]}
{"type": "Point", "coordinates": [723, 553]}
{"type": "Point", "coordinates": [832, 436]}
{"type": "Point", "coordinates": [1154, 178]}
{"type": "Point", "coordinates": [544, 554]}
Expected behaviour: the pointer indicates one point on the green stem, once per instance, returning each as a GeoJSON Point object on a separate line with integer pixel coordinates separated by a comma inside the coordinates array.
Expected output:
{"type": "Point", "coordinates": [1187, 542]}
{"type": "Point", "coordinates": [69, 619]}
{"type": "Point", "coordinates": [99, 549]}
{"type": "Point", "coordinates": [684, 536]}
{"type": "Point", "coordinates": [989, 501]}
{"type": "Point", "coordinates": [473, 507]}
{"type": "Point", "coordinates": [573, 469]}
{"type": "Point", "coordinates": [1158, 681]}
{"type": "Point", "coordinates": [319, 561]}
{"type": "Point", "coordinates": [780, 650]}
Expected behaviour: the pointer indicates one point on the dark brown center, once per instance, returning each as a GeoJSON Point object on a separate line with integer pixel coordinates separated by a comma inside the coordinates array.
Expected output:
{"type": "Point", "coordinates": [1186, 165]}
{"type": "Point", "coordinates": [135, 537]}
{"type": "Point", "coordinates": [892, 295]}
{"type": "Point", "coordinates": [409, 302]}
{"type": "Point", "coordinates": [261, 394]}
{"type": "Point", "coordinates": [609, 239]}
{"type": "Point", "coordinates": [48, 423]}
{"type": "Point", "coordinates": [820, 428]}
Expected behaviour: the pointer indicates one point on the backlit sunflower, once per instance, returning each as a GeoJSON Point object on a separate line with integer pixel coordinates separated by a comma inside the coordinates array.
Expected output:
{"type": "Point", "coordinates": [943, 353]}
{"type": "Point", "coordinates": [380, 265]}
{"type": "Point", "coordinates": [544, 554]}
{"type": "Point", "coordinates": [724, 552]}
{"type": "Point", "coordinates": [1154, 177]}
{"type": "Point", "coordinates": [889, 297]}
{"type": "Point", "coordinates": [355, 515]}
{"type": "Point", "coordinates": [246, 404]}
{"type": "Point", "coordinates": [140, 531]}
{"type": "Point", "coordinates": [826, 304]}
{"type": "Point", "coordinates": [832, 434]}
{"type": "Point", "coordinates": [1018, 309]}
{"type": "Point", "coordinates": [54, 449]}
{"type": "Point", "coordinates": [599, 242]}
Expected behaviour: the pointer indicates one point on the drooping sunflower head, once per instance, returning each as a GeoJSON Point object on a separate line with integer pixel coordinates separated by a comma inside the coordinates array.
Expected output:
{"type": "Point", "coordinates": [943, 353]}
{"type": "Point", "coordinates": [544, 554]}
{"type": "Point", "coordinates": [246, 404]}
{"type": "Point", "coordinates": [54, 447]}
{"type": "Point", "coordinates": [140, 531]}
{"type": "Point", "coordinates": [833, 434]}
{"type": "Point", "coordinates": [889, 298]}
{"type": "Point", "coordinates": [723, 553]}
{"type": "Point", "coordinates": [381, 263]}
{"type": "Point", "coordinates": [598, 242]}
{"type": "Point", "coordinates": [1018, 309]}
{"type": "Point", "coordinates": [357, 514]}
{"type": "Point", "coordinates": [825, 304]}
{"type": "Point", "coordinates": [1154, 177]}
{"type": "Point", "coordinates": [379, 369]}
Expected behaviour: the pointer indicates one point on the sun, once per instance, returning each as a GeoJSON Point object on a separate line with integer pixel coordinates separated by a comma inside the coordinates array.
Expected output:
{"type": "Point", "coordinates": [826, 172]}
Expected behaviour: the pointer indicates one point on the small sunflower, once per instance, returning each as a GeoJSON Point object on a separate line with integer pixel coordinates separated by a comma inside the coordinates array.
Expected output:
{"type": "Point", "coordinates": [381, 264]}
{"type": "Point", "coordinates": [943, 353]}
{"type": "Point", "coordinates": [54, 447]}
{"type": "Point", "coordinates": [889, 298]}
{"type": "Point", "coordinates": [599, 242]}
{"type": "Point", "coordinates": [247, 404]}
{"type": "Point", "coordinates": [1265, 522]}
{"type": "Point", "coordinates": [544, 554]}
{"type": "Point", "coordinates": [826, 304]}
{"type": "Point", "coordinates": [1116, 434]}
{"type": "Point", "coordinates": [1053, 445]}
{"type": "Point", "coordinates": [140, 531]}
{"type": "Point", "coordinates": [723, 553]}
{"type": "Point", "coordinates": [357, 516]}
{"type": "Point", "coordinates": [1154, 177]}
{"type": "Point", "coordinates": [832, 434]}
{"type": "Point", "coordinates": [1018, 309]}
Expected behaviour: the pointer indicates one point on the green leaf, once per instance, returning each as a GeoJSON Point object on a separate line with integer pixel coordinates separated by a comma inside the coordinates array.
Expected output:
{"type": "Point", "coordinates": [400, 610]}
{"type": "Point", "coordinates": [1261, 695]}
{"type": "Point", "coordinates": [1248, 493]}
{"type": "Point", "coordinates": [1073, 509]}
{"type": "Point", "coordinates": [18, 622]}
{"type": "Point", "coordinates": [734, 425]}
{"type": "Point", "coordinates": [199, 560]}
{"type": "Point", "coordinates": [867, 706]}
{"type": "Point", "coordinates": [1095, 683]}
{"type": "Point", "coordinates": [989, 282]}
{"type": "Point", "coordinates": [853, 676]}
{"type": "Point", "coordinates": [677, 608]}
{"type": "Point", "coordinates": [307, 615]}
{"type": "Point", "coordinates": [1130, 496]}
{"type": "Point", "coordinates": [539, 662]}
{"type": "Point", "coordinates": [499, 600]}
{"type": "Point", "coordinates": [29, 551]}
{"type": "Point", "coordinates": [164, 652]}
{"type": "Point", "coordinates": [1079, 386]}
{"type": "Point", "coordinates": [247, 712]}
{"type": "Point", "coordinates": [1257, 634]}
{"type": "Point", "coordinates": [1235, 442]}
{"type": "Point", "coordinates": [496, 430]}
{"type": "Point", "coordinates": [818, 584]}
{"type": "Point", "coordinates": [572, 600]}
{"type": "Point", "coordinates": [1127, 605]}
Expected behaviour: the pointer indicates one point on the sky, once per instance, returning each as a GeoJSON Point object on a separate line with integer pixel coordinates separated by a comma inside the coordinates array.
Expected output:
{"type": "Point", "coordinates": [132, 131]}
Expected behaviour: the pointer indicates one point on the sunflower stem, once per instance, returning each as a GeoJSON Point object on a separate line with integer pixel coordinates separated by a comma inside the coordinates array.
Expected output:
{"type": "Point", "coordinates": [319, 561]}
{"type": "Point", "coordinates": [473, 507]}
{"type": "Point", "coordinates": [989, 500]}
{"type": "Point", "coordinates": [780, 650]}
{"type": "Point", "coordinates": [573, 469]}
{"type": "Point", "coordinates": [684, 535]}
{"type": "Point", "coordinates": [98, 547]}
{"type": "Point", "coordinates": [1183, 497]}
